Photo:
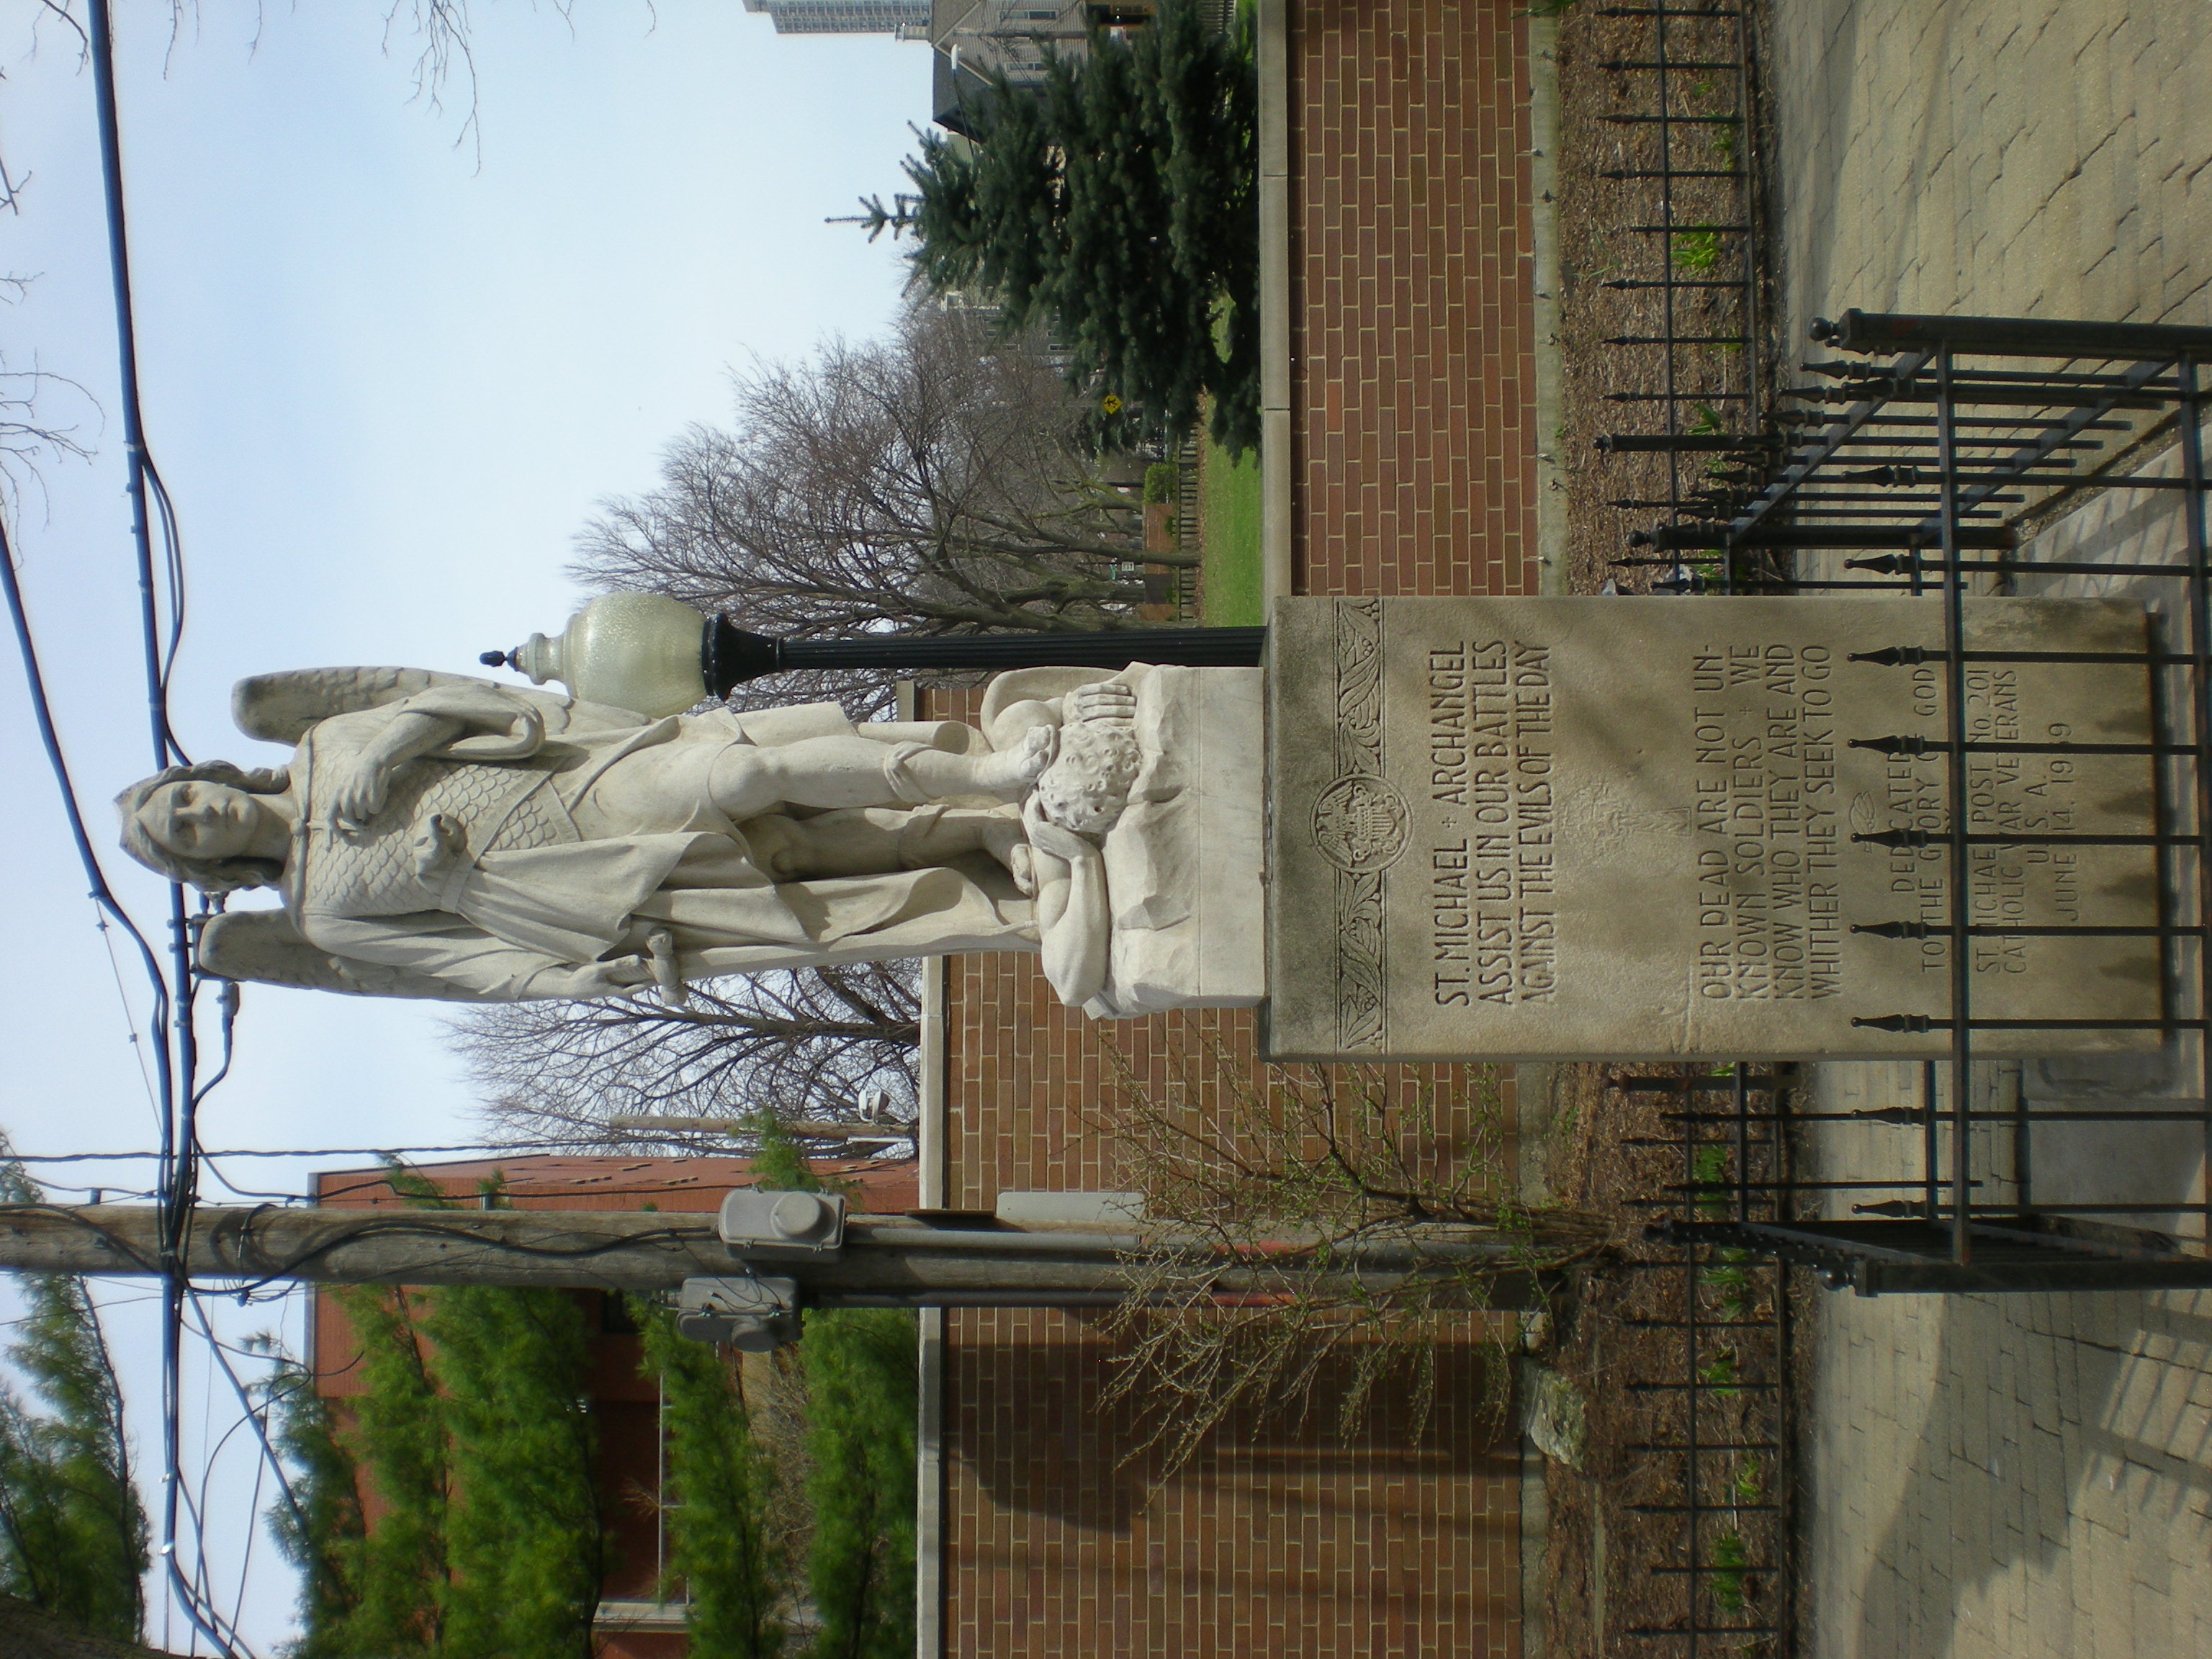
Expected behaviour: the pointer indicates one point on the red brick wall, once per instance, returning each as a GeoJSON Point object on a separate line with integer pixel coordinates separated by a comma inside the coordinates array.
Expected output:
{"type": "Point", "coordinates": [1413, 471]}
{"type": "Point", "coordinates": [1412, 304]}
{"type": "Point", "coordinates": [1277, 1539]}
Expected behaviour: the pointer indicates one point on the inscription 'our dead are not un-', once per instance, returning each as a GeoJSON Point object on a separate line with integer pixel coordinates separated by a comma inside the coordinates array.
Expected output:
{"type": "Point", "coordinates": [1764, 810]}
{"type": "Point", "coordinates": [1493, 927]}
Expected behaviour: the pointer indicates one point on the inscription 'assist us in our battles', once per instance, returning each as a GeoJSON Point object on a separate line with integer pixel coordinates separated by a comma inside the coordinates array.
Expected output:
{"type": "Point", "coordinates": [1493, 925]}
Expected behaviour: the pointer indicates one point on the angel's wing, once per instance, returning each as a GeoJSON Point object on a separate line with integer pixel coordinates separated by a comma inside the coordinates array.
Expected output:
{"type": "Point", "coordinates": [280, 707]}
{"type": "Point", "coordinates": [263, 946]}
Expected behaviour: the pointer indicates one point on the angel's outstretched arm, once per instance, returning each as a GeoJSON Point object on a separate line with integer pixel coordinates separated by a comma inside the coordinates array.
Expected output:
{"type": "Point", "coordinates": [435, 944]}
{"type": "Point", "coordinates": [1074, 926]}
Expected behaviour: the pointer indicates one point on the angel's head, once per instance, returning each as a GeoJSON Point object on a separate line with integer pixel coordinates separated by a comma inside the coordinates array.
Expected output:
{"type": "Point", "coordinates": [211, 825]}
{"type": "Point", "coordinates": [1087, 785]}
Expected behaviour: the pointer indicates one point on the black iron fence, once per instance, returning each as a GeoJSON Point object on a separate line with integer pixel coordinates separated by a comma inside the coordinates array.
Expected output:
{"type": "Point", "coordinates": [1945, 456]}
{"type": "Point", "coordinates": [1708, 1516]}
{"type": "Point", "coordinates": [1702, 1562]}
{"type": "Point", "coordinates": [1685, 192]}
{"type": "Point", "coordinates": [1948, 458]}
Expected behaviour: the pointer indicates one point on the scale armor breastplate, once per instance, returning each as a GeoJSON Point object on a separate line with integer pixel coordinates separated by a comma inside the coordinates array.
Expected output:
{"type": "Point", "coordinates": [377, 871]}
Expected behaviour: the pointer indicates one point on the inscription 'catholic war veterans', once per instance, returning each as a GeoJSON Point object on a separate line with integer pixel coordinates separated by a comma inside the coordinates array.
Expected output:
{"type": "Point", "coordinates": [1625, 828]}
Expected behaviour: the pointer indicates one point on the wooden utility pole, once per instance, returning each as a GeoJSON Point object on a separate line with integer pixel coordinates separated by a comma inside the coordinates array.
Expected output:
{"type": "Point", "coordinates": [886, 1261]}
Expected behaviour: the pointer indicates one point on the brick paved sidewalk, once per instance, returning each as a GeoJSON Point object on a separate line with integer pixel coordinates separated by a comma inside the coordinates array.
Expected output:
{"type": "Point", "coordinates": [2004, 157]}
{"type": "Point", "coordinates": [2014, 1476]}
{"type": "Point", "coordinates": [2028, 1475]}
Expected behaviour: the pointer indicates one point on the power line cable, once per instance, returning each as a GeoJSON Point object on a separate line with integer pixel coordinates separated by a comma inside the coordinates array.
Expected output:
{"type": "Point", "coordinates": [102, 894]}
{"type": "Point", "coordinates": [179, 1069]}
{"type": "Point", "coordinates": [529, 1147]}
{"type": "Point", "coordinates": [892, 1131]}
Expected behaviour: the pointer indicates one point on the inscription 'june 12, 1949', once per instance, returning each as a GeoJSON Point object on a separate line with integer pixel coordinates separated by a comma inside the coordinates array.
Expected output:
{"type": "Point", "coordinates": [1493, 925]}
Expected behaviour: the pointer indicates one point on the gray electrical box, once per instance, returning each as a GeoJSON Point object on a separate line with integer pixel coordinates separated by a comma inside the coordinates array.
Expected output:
{"type": "Point", "coordinates": [753, 1314]}
{"type": "Point", "coordinates": [755, 1223]}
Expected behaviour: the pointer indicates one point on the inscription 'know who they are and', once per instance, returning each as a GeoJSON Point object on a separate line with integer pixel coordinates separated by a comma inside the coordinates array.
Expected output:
{"type": "Point", "coordinates": [1765, 814]}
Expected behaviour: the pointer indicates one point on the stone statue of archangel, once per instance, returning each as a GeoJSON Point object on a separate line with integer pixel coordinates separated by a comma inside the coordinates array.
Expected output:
{"type": "Point", "coordinates": [439, 835]}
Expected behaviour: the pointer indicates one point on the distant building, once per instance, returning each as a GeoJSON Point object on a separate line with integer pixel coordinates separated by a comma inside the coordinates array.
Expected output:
{"type": "Point", "coordinates": [971, 41]}
{"type": "Point", "coordinates": [907, 19]}
{"type": "Point", "coordinates": [974, 39]}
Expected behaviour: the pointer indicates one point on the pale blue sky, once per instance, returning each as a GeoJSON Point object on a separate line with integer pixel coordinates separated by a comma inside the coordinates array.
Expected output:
{"type": "Point", "coordinates": [386, 378]}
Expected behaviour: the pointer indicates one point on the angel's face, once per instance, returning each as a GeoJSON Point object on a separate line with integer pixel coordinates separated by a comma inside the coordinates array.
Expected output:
{"type": "Point", "coordinates": [201, 821]}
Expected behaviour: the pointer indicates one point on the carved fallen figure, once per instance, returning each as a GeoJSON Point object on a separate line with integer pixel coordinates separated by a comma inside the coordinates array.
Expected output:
{"type": "Point", "coordinates": [440, 835]}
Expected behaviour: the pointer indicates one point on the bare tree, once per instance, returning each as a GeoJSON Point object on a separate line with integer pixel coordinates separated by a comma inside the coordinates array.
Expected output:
{"type": "Point", "coordinates": [937, 480]}
{"type": "Point", "coordinates": [29, 437]}
{"type": "Point", "coordinates": [1331, 1168]}
{"type": "Point", "coordinates": [799, 1045]}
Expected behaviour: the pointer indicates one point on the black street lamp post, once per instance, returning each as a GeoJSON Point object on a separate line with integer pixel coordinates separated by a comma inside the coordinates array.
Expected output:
{"type": "Point", "coordinates": [659, 656]}
{"type": "Point", "coordinates": [733, 656]}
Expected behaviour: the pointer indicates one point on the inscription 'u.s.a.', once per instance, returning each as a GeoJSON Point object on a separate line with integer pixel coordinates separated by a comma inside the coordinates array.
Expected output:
{"type": "Point", "coordinates": [1494, 929]}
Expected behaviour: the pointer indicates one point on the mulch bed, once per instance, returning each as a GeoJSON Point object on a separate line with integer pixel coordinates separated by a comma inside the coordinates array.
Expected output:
{"type": "Point", "coordinates": [1600, 1548]}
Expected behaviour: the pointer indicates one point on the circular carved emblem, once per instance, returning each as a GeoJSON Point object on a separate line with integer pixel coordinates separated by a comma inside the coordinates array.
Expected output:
{"type": "Point", "coordinates": [1360, 823]}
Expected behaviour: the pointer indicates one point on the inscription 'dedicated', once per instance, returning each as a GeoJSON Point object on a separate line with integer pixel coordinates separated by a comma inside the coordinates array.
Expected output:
{"type": "Point", "coordinates": [2023, 794]}
{"type": "Point", "coordinates": [1493, 923]}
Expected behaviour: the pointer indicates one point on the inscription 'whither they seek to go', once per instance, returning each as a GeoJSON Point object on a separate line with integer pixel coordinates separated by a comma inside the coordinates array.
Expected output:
{"type": "Point", "coordinates": [1493, 925]}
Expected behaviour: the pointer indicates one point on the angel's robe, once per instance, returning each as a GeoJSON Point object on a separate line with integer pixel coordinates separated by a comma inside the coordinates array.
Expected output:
{"type": "Point", "coordinates": [580, 832]}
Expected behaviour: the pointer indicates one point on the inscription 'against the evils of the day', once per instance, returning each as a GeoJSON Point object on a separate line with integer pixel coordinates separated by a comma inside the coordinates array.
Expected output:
{"type": "Point", "coordinates": [1493, 925]}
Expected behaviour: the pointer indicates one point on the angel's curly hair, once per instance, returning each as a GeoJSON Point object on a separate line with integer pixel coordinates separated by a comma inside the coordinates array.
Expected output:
{"type": "Point", "coordinates": [216, 876]}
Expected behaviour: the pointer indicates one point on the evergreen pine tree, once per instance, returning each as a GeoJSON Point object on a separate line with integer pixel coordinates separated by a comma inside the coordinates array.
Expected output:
{"type": "Point", "coordinates": [526, 1536]}
{"type": "Point", "coordinates": [719, 1481]}
{"type": "Point", "coordinates": [397, 1573]}
{"type": "Point", "coordinates": [473, 1425]}
{"type": "Point", "coordinates": [317, 1525]}
{"type": "Point", "coordinates": [1118, 201]}
{"type": "Point", "coordinates": [473, 1429]}
{"type": "Point", "coordinates": [779, 1161]}
{"type": "Point", "coordinates": [72, 1530]}
{"type": "Point", "coordinates": [861, 1385]}
{"type": "Point", "coordinates": [860, 1401]}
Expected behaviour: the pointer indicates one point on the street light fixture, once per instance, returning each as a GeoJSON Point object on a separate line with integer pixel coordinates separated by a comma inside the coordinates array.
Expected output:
{"type": "Point", "coordinates": [660, 656]}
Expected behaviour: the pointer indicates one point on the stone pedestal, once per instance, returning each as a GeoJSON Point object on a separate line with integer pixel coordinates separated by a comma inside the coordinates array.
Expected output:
{"type": "Point", "coordinates": [1184, 864]}
{"type": "Point", "coordinates": [1618, 828]}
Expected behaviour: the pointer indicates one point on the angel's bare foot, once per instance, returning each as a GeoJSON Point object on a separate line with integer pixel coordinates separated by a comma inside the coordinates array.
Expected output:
{"type": "Point", "coordinates": [1011, 771]}
{"type": "Point", "coordinates": [1021, 863]}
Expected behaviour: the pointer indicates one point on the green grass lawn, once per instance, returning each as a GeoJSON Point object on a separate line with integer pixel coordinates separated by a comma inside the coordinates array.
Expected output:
{"type": "Point", "coordinates": [1229, 508]}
